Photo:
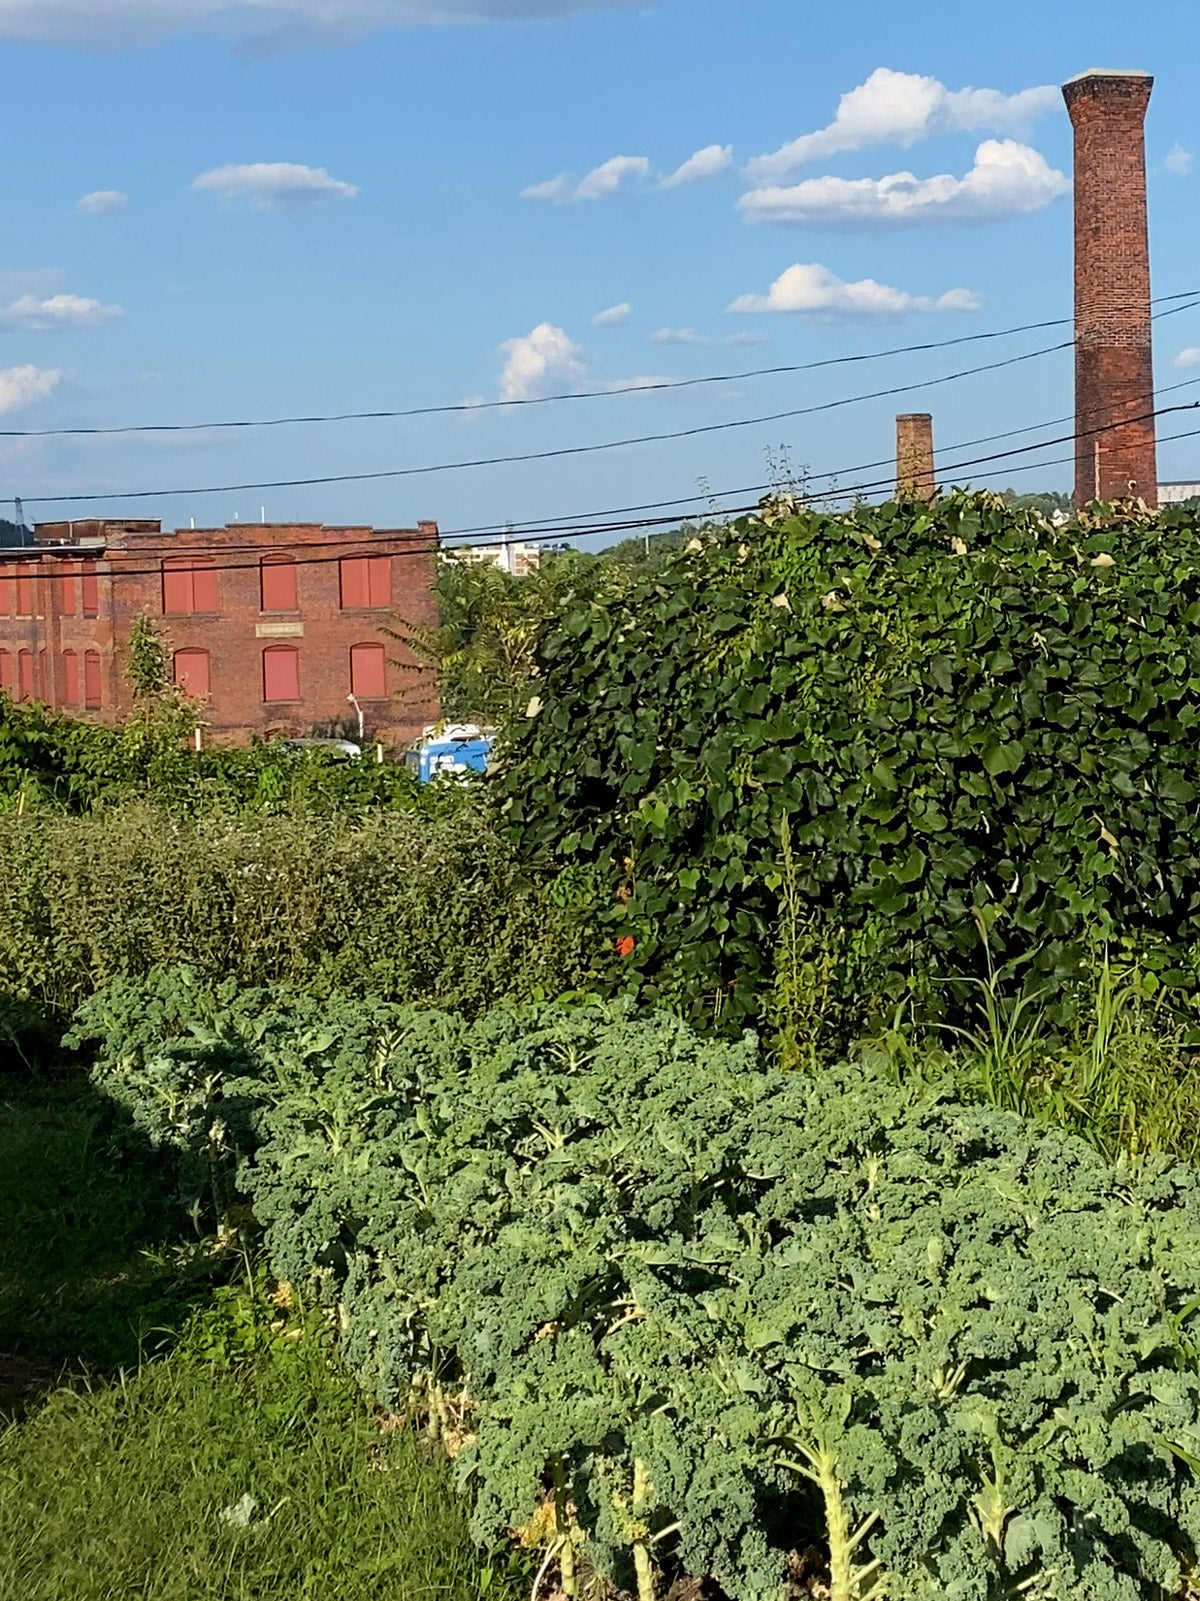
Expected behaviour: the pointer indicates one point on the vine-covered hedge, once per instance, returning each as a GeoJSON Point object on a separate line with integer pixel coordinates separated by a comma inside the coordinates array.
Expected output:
{"type": "Point", "coordinates": [713, 1313]}
{"type": "Point", "coordinates": [874, 737]}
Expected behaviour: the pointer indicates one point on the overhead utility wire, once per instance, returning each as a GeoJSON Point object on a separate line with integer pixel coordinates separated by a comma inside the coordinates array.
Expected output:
{"type": "Point", "coordinates": [565, 450]}
{"type": "Point", "coordinates": [582, 394]}
{"type": "Point", "coordinates": [578, 523]}
{"type": "Point", "coordinates": [542, 455]}
{"type": "Point", "coordinates": [417, 544]}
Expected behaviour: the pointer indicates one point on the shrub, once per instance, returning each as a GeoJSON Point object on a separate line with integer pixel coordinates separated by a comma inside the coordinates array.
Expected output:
{"type": "Point", "coordinates": [719, 1310]}
{"type": "Point", "coordinates": [924, 729]}
{"type": "Point", "coordinates": [411, 907]}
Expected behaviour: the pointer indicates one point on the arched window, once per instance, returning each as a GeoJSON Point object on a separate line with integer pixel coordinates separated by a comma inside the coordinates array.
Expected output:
{"type": "Point", "coordinates": [191, 671]}
{"type": "Point", "coordinates": [189, 585]}
{"type": "Point", "coordinates": [368, 672]}
{"type": "Point", "coordinates": [24, 675]}
{"type": "Point", "coordinates": [70, 678]}
{"type": "Point", "coordinates": [91, 680]}
{"type": "Point", "coordinates": [281, 673]}
{"type": "Point", "coordinates": [6, 671]}
{"type": "Point", "coordinates": [277, 583]}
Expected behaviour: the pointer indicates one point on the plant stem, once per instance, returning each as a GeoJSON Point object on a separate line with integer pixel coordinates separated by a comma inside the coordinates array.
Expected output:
{"type": "Point", "coordinates": [642, 1492]}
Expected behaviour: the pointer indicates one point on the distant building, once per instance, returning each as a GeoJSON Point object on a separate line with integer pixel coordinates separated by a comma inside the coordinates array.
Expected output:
{"type": "Point", "coordinates": [511, 557]}
{"type": "Point", "coordinates": [274, 627]}
{"type": "Point", "coordinates": [1172, 494]}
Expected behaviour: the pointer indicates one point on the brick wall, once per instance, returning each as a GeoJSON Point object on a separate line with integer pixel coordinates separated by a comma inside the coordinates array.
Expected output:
{"type": "Point", "coordinates": [1114, 368]}
{"type": "Point", "coordinates": [914, 457]}
{"type": "Point", "coordinates": [335, 610]}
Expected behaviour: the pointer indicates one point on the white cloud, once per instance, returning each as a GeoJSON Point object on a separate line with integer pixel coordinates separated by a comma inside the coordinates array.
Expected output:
{"type": "Point", "coordinates": [544, 360]}
{"type": "Point", "coordinates": [677, 336]}
{"type": "Point", "coordinates": [22, 386]}
{"type": "Point", "coordinates": [603, 180]}
{"type": "Point", "coordinates": [122, 24]}
{"type": "Point", "coordinates": [1179, 161]}
{"type": "Point", "coordinates": [1189, 357]}
{"type": "Point", "coordinates": [613, 316]}
{"type": "Point", "coordinates": [901, 108]}
{"type": "Point", "coordinates": [33, 314]}
{"type": "Point", "coordinates": [1007, 179]}
{"type": "Point", "coordinates": [274, 185]}
{"type": "Point", "coordinates": [643, 381]}
{"type": "Point", "coordinates": [103, 203]}
{"type": "Point", "coordinates": [706, 163]}
{"type": "Point", "coordinates": [812, 290]}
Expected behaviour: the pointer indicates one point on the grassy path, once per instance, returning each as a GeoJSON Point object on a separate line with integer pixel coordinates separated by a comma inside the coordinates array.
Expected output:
{"type": "Point", "coordinates": [238, 1465]}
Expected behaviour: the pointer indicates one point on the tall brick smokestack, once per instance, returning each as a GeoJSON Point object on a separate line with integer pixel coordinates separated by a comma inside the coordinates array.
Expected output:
{"type": "Point", "coordinates": [914, 457]}
{"type": "Point", "coordinates": [1114, 369]}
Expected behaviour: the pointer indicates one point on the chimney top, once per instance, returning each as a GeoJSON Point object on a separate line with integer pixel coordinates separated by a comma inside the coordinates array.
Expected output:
{"type": "Point", "coordinates": [1106, 72]}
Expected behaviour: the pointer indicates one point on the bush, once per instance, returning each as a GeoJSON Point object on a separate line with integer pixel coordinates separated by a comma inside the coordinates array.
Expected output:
{"type": "Point", "coordinates": [410, 907]}
{"type": "Point", "coordinates": [53, 762]}
{"type": "Point", "coordinates": [721, 1311]}
{"type": "Point", "coordinates": [920, 730]}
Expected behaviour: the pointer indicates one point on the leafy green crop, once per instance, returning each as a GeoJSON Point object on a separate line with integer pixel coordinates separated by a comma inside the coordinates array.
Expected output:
{"type": "Point", "coordinates": [714, 1312]}
{"type": "Point", "coordinates": [920, 727]}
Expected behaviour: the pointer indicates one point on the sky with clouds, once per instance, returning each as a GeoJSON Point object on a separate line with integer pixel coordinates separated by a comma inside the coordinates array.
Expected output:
{"type": "Point", "coordinates": [241, 209]}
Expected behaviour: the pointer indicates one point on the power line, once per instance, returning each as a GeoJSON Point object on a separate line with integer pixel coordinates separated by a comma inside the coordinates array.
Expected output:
{"type": "Point", "coordinates": [548, 455]}
{"type": "Point", "coordinates": [572, 450]}
{"type": "Point", "coordinates": [418, 544]}
{"type": "Point", "coordinates": [547, 400]}
{"type": "Point", "coordinates": [587, 523]}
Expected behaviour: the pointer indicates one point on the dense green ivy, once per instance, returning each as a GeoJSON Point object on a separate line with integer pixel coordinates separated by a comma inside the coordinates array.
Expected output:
{"type": "Point", "coordinates": [722, 1312]}
{"type": "Point", "coordinates": [919, 727]}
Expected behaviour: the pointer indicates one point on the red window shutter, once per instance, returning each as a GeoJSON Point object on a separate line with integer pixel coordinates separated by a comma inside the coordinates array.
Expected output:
{"type": "Point", "coordinates": [355, 591]}
{"type": "Point", "coordinates": [25, 675]}
{"type": "Point", "coordinates": [281, 673]}
{"type": "Point", "coordinates": [279, 584]}
{"type": "Point", "coordinates": [91, 590]}
{"type": "Point", "coordinates": [192, 671]}
{"type": "Point", "coordinates": [368, 672]}
{"type": "Point", "coordinates": [379, 581]}
{"type": "Point", "coordinates": [204, 588]}
{"type": "Point", "coordinates": [65, 595]}
{"type": "Point", "coordinates": [70, 678]}
{"type": "Point", "coordinates": [24, 592]}
{"type": "Point", "coordinates": [91, 680]}
{"type": "Point", "coordinates": [6, 680]}
{"type": "Point", "coordinates": [177, 589]}
{"type": "Point", "coordinates": [8, 590]}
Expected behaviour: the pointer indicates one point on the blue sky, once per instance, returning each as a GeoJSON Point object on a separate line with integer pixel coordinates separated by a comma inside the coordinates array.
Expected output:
{"type": "Point", "coordinates": [290, 213]}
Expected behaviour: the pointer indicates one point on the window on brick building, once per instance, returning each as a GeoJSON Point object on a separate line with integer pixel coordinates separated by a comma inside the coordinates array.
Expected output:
{"type": "Point", "coordinates": [70, 678]}
{"type": "Point", "coordinates": [8, 589]}
{"type": "Point", "coordinates": [277, 582]}
{"type": "Point", "coordinates": [64, 594]}
{"type": "Point", "coordinates": [191, 671]}
{"type": "Point", "coordinates": [24, 591]}
{"type": "Point", "coordinates": [281, 673]}
{"type": "Point", "coordinates": [24, 675]}
{"type": "Point", "coordinates": [368, 672]}
{"type": "Point", "coordinates": [366, 582]}
{"type": "Point", "coordinates": [90, 589]}
{"type": "Point", "coordinates": [6, 671]}
{"type": "Point", "coordinates": [189, 585]}
{"type": "Point", "coordinates": [91, 680]}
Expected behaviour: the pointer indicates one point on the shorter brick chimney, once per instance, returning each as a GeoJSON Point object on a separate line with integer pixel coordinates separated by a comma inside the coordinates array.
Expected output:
{"type": "Point", "coordinates": [914, 457]}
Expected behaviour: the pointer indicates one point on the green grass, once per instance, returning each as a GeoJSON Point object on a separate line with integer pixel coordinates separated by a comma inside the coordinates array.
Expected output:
{"type": "Point", "coordinates": [120, 1492]}
{"type": "Point", "coordinates": [114, 1484]}
{"type": "Point", "coordinates": [94, 1263]}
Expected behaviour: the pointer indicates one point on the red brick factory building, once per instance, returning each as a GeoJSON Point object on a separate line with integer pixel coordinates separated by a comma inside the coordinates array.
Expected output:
{"type": "Point", "coordinates": [273, 626]}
